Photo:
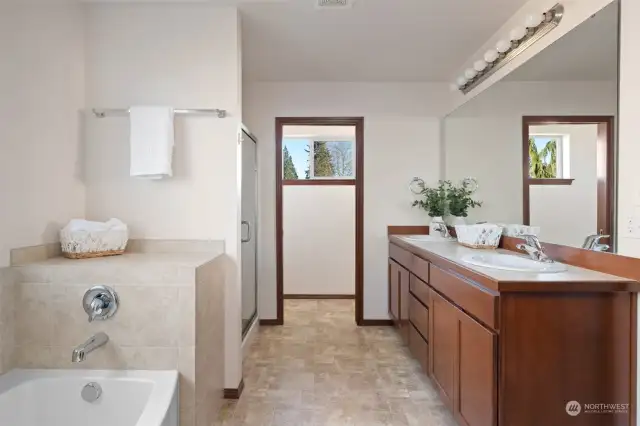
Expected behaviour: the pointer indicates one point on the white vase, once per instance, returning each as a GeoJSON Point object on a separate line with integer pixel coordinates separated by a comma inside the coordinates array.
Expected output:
{"type": "Point", "coordinates": [456, 220]}
{"type": "Point", "coordinates": [435, 220]}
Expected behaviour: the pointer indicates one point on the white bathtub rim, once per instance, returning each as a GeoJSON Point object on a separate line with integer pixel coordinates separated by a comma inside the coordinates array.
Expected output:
{"type": "Point", "coordinates": [165, 386]}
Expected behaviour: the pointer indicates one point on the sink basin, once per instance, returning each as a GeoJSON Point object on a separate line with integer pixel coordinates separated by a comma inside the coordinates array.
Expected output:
{"type": "Point", "coordinates": [512, 263]}
{"type": "Point", "coordinates": [428, 239]}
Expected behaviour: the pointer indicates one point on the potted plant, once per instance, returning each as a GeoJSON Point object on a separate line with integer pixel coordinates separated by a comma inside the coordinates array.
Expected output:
{"type": "Point", "coordinates": [434, 202]}
{"type": "Point", "coordinates": [459, 202]}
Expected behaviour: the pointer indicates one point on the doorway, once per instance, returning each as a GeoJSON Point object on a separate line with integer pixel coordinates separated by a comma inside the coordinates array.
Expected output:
{"type": "Point", "coordinates": [334, 169]}
{"type": "Point", "coordinates": [568, 177]}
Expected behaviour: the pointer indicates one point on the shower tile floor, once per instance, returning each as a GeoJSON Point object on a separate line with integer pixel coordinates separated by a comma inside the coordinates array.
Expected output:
{"type": "Point", "coordinates": [321, 370]}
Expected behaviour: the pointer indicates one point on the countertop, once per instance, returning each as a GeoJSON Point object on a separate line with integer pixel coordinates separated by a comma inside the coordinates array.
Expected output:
{"type": "Point", "coordinates": [453, 252]}
{"type": "Point", "coordinates": [127, 269]}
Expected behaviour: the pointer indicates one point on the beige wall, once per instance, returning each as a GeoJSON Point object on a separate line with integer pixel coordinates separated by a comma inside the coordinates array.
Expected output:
{"type": "Point", "coordinates": [42, 86]}
{"type": "Point", "coordinates": [319, 239]}
{"type": "Point", "coordinates": [170, 317]}
{"type": "Point", "coordinates": [401, 140]}
{"type": "Point", "coordinates": [185, 56]}
{"type": "Point", "coordinates": [7, 321]}
{"type": "Point", "coordinates": [566, 214]}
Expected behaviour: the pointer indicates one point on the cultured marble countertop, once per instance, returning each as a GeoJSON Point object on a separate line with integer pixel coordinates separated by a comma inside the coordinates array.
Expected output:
{"type": "Point", "coordinates": [453, 252]}
{"type": "Point", "coordinates": [130, 268]}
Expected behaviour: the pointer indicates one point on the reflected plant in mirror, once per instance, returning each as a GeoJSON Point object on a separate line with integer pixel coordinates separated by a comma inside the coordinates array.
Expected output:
{"type": "Point", "coordinates": [459, 200]}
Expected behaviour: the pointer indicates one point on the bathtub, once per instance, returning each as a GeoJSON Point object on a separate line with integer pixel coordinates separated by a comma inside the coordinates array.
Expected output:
{"type": "Point", "coordinates": [53, 398]}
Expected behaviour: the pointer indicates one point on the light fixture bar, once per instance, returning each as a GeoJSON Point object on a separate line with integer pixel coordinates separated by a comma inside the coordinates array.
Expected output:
{"type": "Point", "coordinates": [552, 19]}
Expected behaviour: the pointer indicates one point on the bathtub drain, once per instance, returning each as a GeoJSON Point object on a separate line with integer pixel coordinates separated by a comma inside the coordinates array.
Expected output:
{"type": "Point", "coordinates": [91, 392]}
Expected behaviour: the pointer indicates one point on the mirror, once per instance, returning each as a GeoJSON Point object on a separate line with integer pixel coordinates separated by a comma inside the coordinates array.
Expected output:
{"type": "Point", "coordinates": [541, 141]}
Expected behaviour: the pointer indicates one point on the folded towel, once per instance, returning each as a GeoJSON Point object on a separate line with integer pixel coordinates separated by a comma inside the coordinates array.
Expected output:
{"type": "Point", "coordinates": [151, 142]}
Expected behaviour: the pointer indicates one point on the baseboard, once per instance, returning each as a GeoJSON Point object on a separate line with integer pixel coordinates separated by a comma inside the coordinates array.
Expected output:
{"type": "Point", "coordinates": [319, 296]}
{"type": "Point", "coordinates": [234, 393]}
{"type": "Point", "coordinates": [269, 322]}
{"type": "Point", "coordinates": [376, 323]}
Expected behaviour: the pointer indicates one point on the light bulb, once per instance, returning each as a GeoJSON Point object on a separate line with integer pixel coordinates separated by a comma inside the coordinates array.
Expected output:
{"type": "Point", "coordinates": [490, 55]}
{"type": "Point", "coordinates": [503, 46]}
{"type": "Point", "coordinates": [470, 73]}
{"type": "Point", "coordinates": [480, 65]}
{"type": "Point", "coordinates": [533, 20]}
{"type": "Point", "coordinates": [518, 33]}
{"type": "Point", "coordinates": [461, 81]}
{"type": "Point", "coordinates": [453, 87]}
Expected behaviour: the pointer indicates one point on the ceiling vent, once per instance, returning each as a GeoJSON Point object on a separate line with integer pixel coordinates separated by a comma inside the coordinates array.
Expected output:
{"type": "Point", "coordinates": [333, 4]}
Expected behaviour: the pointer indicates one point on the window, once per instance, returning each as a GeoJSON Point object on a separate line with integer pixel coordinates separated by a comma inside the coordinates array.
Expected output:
{"type": "Point", "coordinates": [549, 156]}
{"type": "Point", "coordinates": [317, 159]}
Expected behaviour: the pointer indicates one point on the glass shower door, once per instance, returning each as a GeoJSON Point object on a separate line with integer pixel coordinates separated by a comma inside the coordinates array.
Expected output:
{"type": "Point", "coordinates": [249, 230]}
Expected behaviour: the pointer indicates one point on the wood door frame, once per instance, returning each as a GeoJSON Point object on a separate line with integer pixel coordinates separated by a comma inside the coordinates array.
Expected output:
{"type": "Point", "coordinates": [605, 166]}
{"type": "Point", "coordinates": [358, 182]}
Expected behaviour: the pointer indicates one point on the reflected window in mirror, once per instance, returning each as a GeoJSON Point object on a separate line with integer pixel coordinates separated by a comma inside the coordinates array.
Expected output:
{"type": "Point", "coordinates": [549, 156]}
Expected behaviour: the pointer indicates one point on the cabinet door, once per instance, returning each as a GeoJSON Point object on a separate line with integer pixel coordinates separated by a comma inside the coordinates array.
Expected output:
{"type": "Point", "coordinates": [443, 346]}
{"type": "Point", "coordinates": [476, 378]}
{"type": "Point", "coordinates": [394, 291]}
{"type": "Point", "coordinates": [404, 304]}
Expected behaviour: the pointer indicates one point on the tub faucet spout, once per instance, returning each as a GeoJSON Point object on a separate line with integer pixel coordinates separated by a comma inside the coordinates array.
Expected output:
{"type": "Point", "coordinates": [80, 352]}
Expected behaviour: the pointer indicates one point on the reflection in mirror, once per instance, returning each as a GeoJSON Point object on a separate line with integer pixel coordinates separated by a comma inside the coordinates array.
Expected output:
{"type": "Point", "coordinates": [541, 141]}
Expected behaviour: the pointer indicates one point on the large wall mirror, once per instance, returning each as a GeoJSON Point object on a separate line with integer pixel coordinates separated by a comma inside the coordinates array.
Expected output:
{"type": "Point", "coordinates": [541, 142]}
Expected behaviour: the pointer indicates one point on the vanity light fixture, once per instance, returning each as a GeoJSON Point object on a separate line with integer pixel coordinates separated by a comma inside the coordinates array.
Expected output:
{"type": "Point", "coordinates": [520, 38]}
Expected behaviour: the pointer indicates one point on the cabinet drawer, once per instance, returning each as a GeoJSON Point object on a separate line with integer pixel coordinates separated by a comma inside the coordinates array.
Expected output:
{"type": "Point", "coordinates": [420, 290]}
{"type": "Point", "coordinates": [419, 316]}
{"type": "Point", "coordinates": [400, 255]}
{"type": "Point", "coordinates": [420, 268]}
{"type": "Point", "coordinates": [472, 298]}
{"type": "Point", "coordinates": [419, 348]}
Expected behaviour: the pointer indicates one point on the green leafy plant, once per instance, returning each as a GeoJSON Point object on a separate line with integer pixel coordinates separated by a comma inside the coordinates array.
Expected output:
{"type": "Point", "coordinates": [543, 163]}
{"type": "Point", "coordinates": [459, 199]}
{"type": "Point", "coordinates": [434, 199]}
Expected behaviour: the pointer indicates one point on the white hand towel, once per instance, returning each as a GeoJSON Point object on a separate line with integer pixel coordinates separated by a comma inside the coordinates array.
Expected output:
{"type": "Point", "coordinates": [152, 139]}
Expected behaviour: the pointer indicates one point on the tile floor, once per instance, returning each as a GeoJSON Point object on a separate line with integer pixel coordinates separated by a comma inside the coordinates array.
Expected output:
{"type": "Point", "coordinates": [320, 369]}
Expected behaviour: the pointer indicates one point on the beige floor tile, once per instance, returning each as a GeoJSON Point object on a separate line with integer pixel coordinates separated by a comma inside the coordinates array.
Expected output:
{"type": "Point", "coordinates": [320, 369]}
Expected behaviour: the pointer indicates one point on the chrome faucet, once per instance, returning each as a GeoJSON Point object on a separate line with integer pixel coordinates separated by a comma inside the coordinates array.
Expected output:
{"type": "Point", "coordinates": [442, 228]}
{"type": "Point", "coordinates": [80, 352]}
{"type": "Point", "coordinates": [534, 249]}
{"type": "Point", "coordinates": [592, 242]}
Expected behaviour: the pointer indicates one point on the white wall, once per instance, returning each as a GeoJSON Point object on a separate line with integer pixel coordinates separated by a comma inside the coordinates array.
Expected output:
{"type": "Point", "coordinates": [568, 213]}
{"type": "Point", "coordinates": [42, 87]}
{"type": "Point", "coordinates": [401, 138]}
{"type": "Point", "coordinates": [629, 133]}
{"type": "Point", "coordinates": [628, 136]}
{"type": "Point", "coordinates": [319, 239]}
{"type": "Point", "coordinates": [484, 137]}
{"type": "Point", "coordinates": [186, 56]}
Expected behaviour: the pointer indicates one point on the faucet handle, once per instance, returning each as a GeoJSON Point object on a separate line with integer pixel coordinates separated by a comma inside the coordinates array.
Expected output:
{"type": "Point", "coordinates": [532, 240]}
{"type": "Point", "coordinates": [100, 303]}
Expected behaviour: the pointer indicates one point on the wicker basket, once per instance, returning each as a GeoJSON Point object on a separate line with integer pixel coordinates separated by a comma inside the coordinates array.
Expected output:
{"type": "Point", "coordinates": [84, 240]}
{"type": "Point", "coordinates": [483, 236]}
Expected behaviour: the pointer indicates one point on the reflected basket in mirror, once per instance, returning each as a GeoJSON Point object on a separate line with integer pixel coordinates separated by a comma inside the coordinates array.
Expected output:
{"type": "Point", "coordinates": [480, 236]}
{"type": "Point", "coordinates": [516, 230]}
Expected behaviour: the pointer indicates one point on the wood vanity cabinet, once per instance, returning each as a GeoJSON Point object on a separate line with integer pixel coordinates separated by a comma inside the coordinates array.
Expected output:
{"type": "Point", "coordinates": [399, 298]}
{"type": "Point", "coordinates": [513, 353]}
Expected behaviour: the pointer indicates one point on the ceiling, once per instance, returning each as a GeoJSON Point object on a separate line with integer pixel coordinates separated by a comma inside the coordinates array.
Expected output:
{"type": "Point", "coordinates": [588, 53]}
{"type": "Point", "coordinates": [375, 40]}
